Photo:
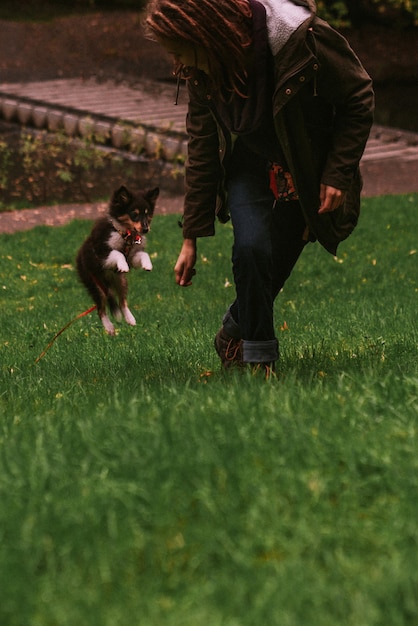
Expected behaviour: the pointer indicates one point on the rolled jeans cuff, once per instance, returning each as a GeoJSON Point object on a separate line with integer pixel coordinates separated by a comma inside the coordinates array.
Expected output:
{"type": "Point", "coordinates": [260, 351]}
{"type": "Point", "coordinates": [230, 326]}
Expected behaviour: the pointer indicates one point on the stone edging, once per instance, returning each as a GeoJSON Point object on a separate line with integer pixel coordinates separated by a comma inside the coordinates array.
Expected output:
{"type": "Point", "coordinates": [150, 141]}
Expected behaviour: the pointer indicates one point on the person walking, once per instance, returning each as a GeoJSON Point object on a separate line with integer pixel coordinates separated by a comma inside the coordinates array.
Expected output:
{"type": "Point", "coordinates": [280, 110]}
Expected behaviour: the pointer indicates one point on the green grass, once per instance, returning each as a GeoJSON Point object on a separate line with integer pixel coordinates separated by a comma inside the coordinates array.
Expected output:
{"type": "Point", "coordinates": [140, 485]}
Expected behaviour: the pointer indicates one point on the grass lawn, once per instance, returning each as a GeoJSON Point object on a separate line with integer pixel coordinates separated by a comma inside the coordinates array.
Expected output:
{"type": "Point", "coordinates": [141, 485]}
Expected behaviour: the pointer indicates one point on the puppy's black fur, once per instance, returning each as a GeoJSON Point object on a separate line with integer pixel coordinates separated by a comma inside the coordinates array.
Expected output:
{"type": "Point", "coordinates": [116, 244]}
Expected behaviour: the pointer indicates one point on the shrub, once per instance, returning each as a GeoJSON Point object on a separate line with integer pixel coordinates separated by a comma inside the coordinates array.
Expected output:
{"type": "Point", "coordinates": [396, 13]}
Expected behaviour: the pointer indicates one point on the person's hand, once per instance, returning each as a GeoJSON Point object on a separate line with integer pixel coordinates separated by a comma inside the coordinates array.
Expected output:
{"type": "Point", "coordinates": [184, 268]}
{"type": "Point", "coordinates": [330, 198]}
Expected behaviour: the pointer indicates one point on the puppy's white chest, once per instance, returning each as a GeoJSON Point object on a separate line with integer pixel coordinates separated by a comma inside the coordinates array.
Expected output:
{"type": "Point", "coordinates": [116, 241]}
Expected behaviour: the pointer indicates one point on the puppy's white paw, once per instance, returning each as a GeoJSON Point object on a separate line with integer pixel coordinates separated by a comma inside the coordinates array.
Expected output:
{"type": "Point", "coordinates": [123, 266]}
{"type": "Point", "coordinates": [108, 326]}
{"type": "Point", "coordinates": [116, 260]}
{"type": "Point", "coordinates": [147, 265]}
{"type": "Point", "coordinates": [141, 259]}
{"type": "Point", "coordinates": [129, 318]}
{"type": "Point", "coordinates": [146, 261]}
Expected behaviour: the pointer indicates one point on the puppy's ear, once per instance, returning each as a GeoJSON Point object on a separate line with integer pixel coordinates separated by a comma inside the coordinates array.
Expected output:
{"type": "Point", "coordinates": [121, 196]}
{"type": "Point", "coordinates": [152, 194]}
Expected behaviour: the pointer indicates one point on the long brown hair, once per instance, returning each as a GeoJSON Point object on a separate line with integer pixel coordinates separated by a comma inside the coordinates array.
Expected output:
{"type": "Point", "coordinates": [221, 27]}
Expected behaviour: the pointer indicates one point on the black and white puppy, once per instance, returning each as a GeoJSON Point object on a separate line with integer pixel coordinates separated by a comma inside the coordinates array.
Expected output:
{"type": "Point", "coordinates": [115, 245]}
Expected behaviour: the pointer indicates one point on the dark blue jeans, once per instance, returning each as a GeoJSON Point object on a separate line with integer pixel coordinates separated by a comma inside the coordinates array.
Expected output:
{"type": "Point", "coordinates": [268, 240]}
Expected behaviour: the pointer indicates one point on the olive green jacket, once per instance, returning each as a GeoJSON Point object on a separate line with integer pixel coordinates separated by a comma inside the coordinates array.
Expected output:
{"type": "Point", "coordinates": [323, 111]}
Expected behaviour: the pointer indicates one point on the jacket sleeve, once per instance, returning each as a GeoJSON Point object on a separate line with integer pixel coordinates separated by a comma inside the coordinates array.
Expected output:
{"type": "Point", "coordinates": [203, 170]}
{"type": "Point", "coordinates": [344, 83]}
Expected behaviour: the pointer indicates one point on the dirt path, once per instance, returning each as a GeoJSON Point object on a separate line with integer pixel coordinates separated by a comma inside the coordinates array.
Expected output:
{"type": "Point", "coordinates": [25, 219]}
{"type": "Point", "coordinates": [378, 176]}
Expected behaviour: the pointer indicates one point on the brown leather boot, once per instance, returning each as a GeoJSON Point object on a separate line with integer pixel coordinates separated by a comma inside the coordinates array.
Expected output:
{"type": "Point", "coordinates": [229, 349]}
